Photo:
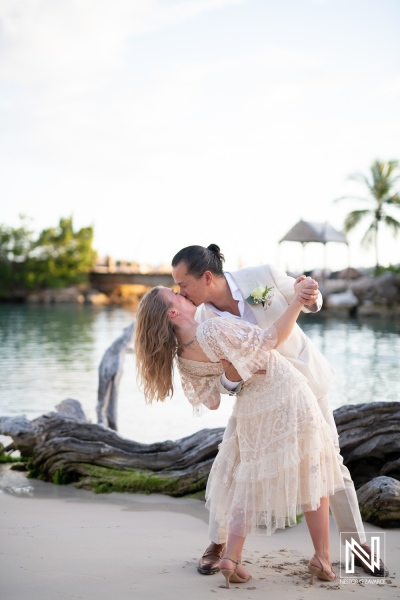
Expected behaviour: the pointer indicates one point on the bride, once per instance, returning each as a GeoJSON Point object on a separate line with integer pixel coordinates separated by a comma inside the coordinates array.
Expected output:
{"type": "Point", "coordinates": [281, 459]}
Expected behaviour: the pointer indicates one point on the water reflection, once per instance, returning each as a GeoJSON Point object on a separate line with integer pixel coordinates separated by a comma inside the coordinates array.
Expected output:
{"type": "Point", "coordinates": [49, 353]}
{"type": "Point", "coordinates": [364, 354]}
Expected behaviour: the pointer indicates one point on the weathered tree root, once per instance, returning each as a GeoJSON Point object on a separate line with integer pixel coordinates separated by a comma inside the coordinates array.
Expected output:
{"type": "Point", "coordinates": [63, 447]}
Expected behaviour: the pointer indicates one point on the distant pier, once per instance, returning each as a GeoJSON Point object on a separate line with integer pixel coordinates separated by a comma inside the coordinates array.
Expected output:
{"type": "Point", "coordinates": [107, 282]}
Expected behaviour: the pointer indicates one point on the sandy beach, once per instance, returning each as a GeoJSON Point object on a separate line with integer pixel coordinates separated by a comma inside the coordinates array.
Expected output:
{"type": "Point", "coordinates": [60, 543]}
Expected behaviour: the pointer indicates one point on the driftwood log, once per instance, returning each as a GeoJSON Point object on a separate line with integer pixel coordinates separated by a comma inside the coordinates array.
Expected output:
{"type": "Point", "coordinates": [110, 372]}
{"type": "Point", "coordinates": [63, 447]}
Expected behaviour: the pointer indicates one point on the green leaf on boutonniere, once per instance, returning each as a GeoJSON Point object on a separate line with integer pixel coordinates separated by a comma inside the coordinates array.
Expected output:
{"type": "Point", "coordinates": [258, 295]}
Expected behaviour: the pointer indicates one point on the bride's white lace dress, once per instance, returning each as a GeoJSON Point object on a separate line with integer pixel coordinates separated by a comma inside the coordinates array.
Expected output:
{"type": "Point", "coordinates": [281, 458]}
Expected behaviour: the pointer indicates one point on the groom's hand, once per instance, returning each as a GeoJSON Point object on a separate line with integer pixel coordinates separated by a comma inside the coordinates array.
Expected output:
{"type": "Point", "coordinates": [231, 372]}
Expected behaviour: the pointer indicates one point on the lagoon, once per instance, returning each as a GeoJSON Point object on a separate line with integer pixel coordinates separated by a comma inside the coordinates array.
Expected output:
{"type": "Point", "coordinates": [49, 353]}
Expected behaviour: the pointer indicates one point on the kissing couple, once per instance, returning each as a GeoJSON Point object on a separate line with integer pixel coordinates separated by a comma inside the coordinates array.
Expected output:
{"type": "Point", "coordinates": [236, 333]}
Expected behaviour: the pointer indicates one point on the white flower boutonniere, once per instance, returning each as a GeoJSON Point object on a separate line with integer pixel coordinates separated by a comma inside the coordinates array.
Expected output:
{"type": "Point", "coordinates": [261, 296]}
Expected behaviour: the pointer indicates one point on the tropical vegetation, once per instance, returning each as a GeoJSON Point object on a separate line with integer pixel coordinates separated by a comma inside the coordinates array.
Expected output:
{"type": "Point", "coordinates": [54, 258]}
{"type": "Point", "coordinates": [383, 200]}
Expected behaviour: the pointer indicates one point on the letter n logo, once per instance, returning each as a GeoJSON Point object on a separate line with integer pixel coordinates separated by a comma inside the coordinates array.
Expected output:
{"type": "Point", "coordinates": [353, 549]}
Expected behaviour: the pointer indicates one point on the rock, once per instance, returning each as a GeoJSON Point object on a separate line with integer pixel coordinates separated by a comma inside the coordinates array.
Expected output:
{"type": "Point", "coordinates": [349, 273]}
{"type": "Point", "coordinates": [66, 295]}
{"type": "Point", "coordinates": [97, 298]}
{"type": "Point", "coordinates": [369, 438]}
{"type": "Point", "coordinates": [392, 469]}
{"type": "Point", "coordinates": [343, 300]}
{"type": "Point", "coordinates": [379, 501]}
{"type": "Point", "coordinates": [383, 290]}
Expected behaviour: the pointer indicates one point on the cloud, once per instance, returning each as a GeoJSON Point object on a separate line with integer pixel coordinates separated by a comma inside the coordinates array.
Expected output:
{"type": "Point", "coordinates": [51, 40]}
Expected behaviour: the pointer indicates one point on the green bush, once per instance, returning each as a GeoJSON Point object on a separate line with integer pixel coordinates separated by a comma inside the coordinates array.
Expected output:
{"type": "Point", "coordinates": [55, 258]}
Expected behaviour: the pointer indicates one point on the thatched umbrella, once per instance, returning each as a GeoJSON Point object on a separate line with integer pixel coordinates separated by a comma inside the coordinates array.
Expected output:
{"type": "Point", "coordinates": [322, 233]}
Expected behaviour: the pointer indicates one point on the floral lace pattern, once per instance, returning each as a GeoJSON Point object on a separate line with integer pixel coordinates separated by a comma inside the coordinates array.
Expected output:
{"type": "Point", "coordinates": [245, 345]}
{"type": "Point", "coordinates": [199, 383]}
{"type": "Point", "coordinates": [281, 458]}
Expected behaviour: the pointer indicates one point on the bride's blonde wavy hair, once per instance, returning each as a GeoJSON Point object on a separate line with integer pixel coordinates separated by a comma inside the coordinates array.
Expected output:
{"type": "Point", "coordinates": [155, 346]}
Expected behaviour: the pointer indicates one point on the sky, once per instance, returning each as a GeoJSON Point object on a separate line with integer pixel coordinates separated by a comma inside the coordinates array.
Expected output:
{"type": "Point", "coordinates": [166, 123]}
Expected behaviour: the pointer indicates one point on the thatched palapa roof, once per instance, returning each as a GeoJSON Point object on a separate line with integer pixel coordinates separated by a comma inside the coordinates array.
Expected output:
{"type": "Point", "coordinates": [305, 232]}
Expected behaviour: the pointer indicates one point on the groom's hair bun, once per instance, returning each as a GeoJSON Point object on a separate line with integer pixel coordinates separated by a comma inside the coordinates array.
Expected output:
{"type": "Point", "coordinates": [217, 251]}
{"type": "Point", "coordinates": [199, 259]}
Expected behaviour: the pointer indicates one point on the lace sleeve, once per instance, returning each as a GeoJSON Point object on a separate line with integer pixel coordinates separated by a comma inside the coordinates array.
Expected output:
{"type": "Point", "coordinates": [199, 382]}
{"type": "Point", "coordinates": [245, 345]}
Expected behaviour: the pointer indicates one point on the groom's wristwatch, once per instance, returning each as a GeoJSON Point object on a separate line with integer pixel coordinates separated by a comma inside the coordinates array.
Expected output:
{"type": "Point", "coordinates": [233, 387]}
{"type": "Point", "coordinates": [237, 389]}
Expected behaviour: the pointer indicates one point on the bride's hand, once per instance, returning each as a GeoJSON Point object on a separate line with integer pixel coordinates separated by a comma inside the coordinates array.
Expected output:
{"type": "Point", "coordinates": [306, 290]}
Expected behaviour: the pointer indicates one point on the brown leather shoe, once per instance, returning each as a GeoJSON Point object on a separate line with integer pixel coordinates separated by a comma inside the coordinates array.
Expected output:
{"type": "Point", "coordinates": [380, 571]}
{"type": "Point", "coordinates": [209, 562]}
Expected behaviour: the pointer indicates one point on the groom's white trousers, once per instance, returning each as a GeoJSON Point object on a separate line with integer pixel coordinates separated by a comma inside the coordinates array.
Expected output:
{"type": "Point", "coordinates": [343, 504]}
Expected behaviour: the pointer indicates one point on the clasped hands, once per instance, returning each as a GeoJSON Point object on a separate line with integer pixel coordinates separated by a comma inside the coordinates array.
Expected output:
{"type": "Point", "coordinates": [307, 293]}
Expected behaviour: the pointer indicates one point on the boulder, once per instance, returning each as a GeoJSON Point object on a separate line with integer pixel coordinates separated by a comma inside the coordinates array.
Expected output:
{"type": "Point", "coordinates": [379, 501]}
{"type": "Point", "coordinates": [342, 300]}
{"type": "Point", "coordinates": [383, 290]}
{"type": "Point", "coordinates": [369, 438]}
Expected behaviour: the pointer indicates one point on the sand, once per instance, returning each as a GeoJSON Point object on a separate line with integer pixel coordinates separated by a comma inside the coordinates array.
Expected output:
{"type": "Point", "coordinates": [61, 543]}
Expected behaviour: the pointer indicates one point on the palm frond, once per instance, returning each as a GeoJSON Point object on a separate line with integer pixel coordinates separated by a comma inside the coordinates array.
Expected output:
{"type": "Point", "coordinates": [393, 224]}
{"type": "Point", "coordinates": [395, 199]}
{"type": "Point", "coordinates": [393, 165]}
{"type": "Point", "coordinates": [363, 199]}
{"type": "Point", "coordinates": [360, 178]}
{"type": "Point", "coordinates": [384, 175]}
{"type": "Point", "coordinates": [354, 218]}
{"type": "Point", "coordinates": [369, 236]}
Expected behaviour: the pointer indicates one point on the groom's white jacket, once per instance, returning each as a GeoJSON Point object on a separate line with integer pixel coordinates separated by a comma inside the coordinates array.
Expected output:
{"type": "Point", "coordinates": [298, 349]}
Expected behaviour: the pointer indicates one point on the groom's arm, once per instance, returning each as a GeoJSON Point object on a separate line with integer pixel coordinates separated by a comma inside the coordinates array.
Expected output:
{"type": "Point", "coordinates": [230, 382]}
{"type": "Point", "coordinates": [232, 386]}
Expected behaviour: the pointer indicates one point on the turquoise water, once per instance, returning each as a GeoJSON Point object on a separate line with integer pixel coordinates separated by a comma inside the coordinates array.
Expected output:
{"type": "Point", "coordinates": [49, 353]}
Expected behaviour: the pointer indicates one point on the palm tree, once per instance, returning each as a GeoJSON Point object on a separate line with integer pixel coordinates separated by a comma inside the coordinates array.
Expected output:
{"type": "Point", "coordinates": [382, 195]}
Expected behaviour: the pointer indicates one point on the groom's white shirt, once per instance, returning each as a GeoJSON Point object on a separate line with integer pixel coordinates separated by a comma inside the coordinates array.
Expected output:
{"type": "Point", "coordinates": [298, 349]}
{"type": "Point", "coordinates": [243, 306]}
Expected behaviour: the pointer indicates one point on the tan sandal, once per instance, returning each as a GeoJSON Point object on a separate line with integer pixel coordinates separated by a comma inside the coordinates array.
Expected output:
{"type": "Point", "coordinates": [320, 573]}
{"type": "Point", "coordinates": [231, 575]}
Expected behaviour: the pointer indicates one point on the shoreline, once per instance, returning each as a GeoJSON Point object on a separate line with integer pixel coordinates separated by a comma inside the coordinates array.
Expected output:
{"type": "Point", "coordinates": [59, 542]}
{"type": "Point", "coordinates": [100, 301]}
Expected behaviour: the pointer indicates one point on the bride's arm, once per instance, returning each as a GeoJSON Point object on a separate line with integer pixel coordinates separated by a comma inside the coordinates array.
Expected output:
{"type": "Point", "coordinates": [286, 322]}
{"type": "Point", "coordinates": [283, 327]}
{"type": "Point", "coordinates": [199, 390]}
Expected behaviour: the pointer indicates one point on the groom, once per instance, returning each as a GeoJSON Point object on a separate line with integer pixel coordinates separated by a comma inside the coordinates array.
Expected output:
{"type": "Point", "coordinates": [198, 271]}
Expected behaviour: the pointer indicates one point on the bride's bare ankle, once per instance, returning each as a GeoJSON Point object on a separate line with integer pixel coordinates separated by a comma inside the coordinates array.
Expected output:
{"type": "Point", "coordinates": [235, 559]}
{"type": "Point", "coordinates": [323, 563]}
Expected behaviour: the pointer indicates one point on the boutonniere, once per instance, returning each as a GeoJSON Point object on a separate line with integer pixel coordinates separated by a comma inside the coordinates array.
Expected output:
{"type": "Point", "coordinates": [261, 296]}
